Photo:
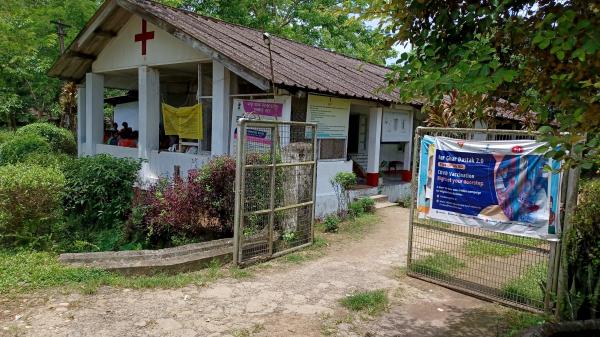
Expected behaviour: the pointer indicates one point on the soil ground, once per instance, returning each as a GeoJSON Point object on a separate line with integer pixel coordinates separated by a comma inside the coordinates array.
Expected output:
{"type": "Point", "coordinates": [279, 299]}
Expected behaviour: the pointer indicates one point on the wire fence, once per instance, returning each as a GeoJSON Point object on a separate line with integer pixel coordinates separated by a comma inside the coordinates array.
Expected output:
{"type": "Point", "coordinates": [275, 188]}
{"type": "Point", "coordinates": [514, 270]}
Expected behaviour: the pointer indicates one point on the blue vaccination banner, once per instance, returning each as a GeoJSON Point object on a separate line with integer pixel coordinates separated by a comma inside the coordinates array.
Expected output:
{"type": "Point", "coordinates": [503, 186]}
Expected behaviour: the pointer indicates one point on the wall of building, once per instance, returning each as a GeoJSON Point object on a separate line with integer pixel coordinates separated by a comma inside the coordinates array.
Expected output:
{"type": "Point", "coordinates": [326, 202]}
{"type": "Point", "coordinates": [127, 112]}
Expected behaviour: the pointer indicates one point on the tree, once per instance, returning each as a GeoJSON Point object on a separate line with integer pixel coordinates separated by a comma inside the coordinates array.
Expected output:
{"type": "Point", "coordinates": [543, 55]}
{"type": "Point", "coordinates": [28, 46]}
{"type": "Point", "coordinates": [321, 23]}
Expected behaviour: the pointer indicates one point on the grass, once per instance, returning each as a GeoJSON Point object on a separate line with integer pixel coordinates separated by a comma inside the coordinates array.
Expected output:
{"type": "Point", "coordinates": [437, 264]}
{"type": "Point", "coordinates": [372, 302]}
{"type": "Point", "coordinates": [480, 248]}
{"type": "Point", "coordinates": [22, 272]}
{"type": "Point", "coordinates": [358, 225]}
{"type": "Point", "coordinates": [527, 287]}
{"type": "Point", "coordinates": [256, 328]}
{"type": "Point", "coordinates": [515, 321]}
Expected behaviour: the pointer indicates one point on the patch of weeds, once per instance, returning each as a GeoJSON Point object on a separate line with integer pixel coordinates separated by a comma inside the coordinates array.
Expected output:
{"type": "Point", "coordinates": [478, 248]}
{"type": "Point", "coordinates": [256, 328]}
{"type": "Point", "coordinates": [439, 264]}
{"type": "Point", "coordinates": [319, 242]}
{"type": "Point", "coordinates": [528, 288]}
{"type": "Point", "coordinates": [214, 270]}
{"type": "Point", "coordinates": [295, 258]}
{"type": "Point", "coordinates": [359, 224]}
{"type": "Point", "coordinates": [331, 224]}
{"type": "Point", "coordinates": [29, 271]}
{"type": "Point", "coordinates": [238, 273]}
{"type": "Point", "coordinates": [26, 271]}
{"type": "Point", "coordinates": [372, 302]}
{"type": "Point", "coordinates": [514, 321]}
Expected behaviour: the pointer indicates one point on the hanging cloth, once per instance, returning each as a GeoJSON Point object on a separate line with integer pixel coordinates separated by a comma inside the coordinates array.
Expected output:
{"type": "Point", "coordinates": [185, 122]}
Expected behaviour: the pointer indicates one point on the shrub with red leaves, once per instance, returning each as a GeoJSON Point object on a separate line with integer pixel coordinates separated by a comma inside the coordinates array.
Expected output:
{"type": "Point", "coordinates": [197, 208]}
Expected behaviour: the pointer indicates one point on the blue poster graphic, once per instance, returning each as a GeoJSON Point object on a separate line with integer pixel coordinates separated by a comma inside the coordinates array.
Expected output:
{"type": "Point", "coordinates": [497, 185]}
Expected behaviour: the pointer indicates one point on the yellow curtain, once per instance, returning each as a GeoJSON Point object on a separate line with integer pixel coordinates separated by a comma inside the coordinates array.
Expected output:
{"type": "Point", "coordinates": [185, 122]}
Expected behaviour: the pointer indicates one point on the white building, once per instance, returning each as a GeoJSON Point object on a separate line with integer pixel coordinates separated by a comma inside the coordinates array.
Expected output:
{"type": "Point", "coordinates": [165, 55]}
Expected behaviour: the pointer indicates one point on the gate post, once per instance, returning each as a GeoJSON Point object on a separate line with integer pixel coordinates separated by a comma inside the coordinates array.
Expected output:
{"type": "Point", "coordinates": [570, 203]}
{"type": "Point", "coordinates": [413, 194]}
{"type": "Point", "coordinates": [239, 166]}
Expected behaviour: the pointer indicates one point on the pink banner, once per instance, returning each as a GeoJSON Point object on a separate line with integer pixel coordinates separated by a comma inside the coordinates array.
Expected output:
{"type": "Point", "coordinates": [263, 108]}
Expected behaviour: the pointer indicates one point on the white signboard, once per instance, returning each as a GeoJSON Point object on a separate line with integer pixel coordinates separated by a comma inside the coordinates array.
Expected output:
{"type": "Point", "coordinates": [396, 126]}
{"type": "Point", "coordinates": [331, 115]}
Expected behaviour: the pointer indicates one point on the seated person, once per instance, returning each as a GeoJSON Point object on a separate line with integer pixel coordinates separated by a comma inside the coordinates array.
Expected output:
{"type": "Point", "coordinates": [126, 131]}
{"type": "Point", "coordinates": [113, 139]}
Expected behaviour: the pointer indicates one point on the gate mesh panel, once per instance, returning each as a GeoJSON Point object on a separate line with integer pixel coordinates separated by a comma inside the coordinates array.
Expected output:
{"type": "Point", "coordinates": [275, 187]}
{"type": "Point", "coordinates": [507, 268]}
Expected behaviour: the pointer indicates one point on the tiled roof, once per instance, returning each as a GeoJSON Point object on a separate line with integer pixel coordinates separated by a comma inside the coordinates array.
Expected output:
{"type": "Point", "coordinates": [295, 65]}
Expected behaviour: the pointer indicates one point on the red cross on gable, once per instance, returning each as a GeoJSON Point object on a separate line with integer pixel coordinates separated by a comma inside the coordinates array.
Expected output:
{"type": "Point", "coordinates": [144, 36]}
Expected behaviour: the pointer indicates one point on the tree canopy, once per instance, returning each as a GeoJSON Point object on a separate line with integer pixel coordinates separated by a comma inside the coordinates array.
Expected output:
{"type": "Point", "coordinates": [29, 44]}
{"type": "Point", "coordinates": [541, 54]}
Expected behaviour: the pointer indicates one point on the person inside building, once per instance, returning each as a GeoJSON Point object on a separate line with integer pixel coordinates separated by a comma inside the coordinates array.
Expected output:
{"type": "Point", "coordinates": [126, 131]}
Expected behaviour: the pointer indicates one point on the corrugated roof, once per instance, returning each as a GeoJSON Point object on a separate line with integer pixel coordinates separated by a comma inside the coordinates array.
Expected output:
{"type": "Point", "coordinates": [294, 64]}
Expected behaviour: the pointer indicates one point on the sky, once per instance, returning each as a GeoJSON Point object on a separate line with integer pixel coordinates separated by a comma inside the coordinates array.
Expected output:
{"type": "Point", "coordinates": [399, 48]}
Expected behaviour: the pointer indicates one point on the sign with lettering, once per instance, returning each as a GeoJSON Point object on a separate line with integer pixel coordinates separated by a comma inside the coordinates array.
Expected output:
{"type": "Point", "coordinates": [503, 186]}
{"type": "Point", "coordinates": [331, 115]}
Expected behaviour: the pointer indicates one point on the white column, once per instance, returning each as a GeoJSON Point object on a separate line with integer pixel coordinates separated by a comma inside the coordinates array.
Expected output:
{"type": "Point", "coordinates": [149, 111]}
{"type": "Point", "coordinates": [220, 110]}
{"type": "Point", "coordinates": [81, 125]}
{"type": "Point", "coordinates": [374, 145]}
{"type": "Point", "coordinates": [94, 112]}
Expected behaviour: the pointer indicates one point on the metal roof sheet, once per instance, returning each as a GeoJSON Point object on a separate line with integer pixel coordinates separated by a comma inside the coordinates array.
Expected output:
{"type": "Point", "coordinates": [295, 64]}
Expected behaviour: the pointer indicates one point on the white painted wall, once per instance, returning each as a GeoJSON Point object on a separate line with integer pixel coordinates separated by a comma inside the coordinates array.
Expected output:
{"type": "Point", "coordinates": [127, 112]}
{"type": "Point", "coordinates": [390, 152]}
{"type": "Point", "coordinates": [326, 202]}
{"type": "Point", "coordinates": [122, 52]}
{"type": "Point", "coordinates": [117, 151]}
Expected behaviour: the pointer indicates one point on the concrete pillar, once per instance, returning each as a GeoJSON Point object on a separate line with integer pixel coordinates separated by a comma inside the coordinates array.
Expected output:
{"type": "Point", "coordinates": [94, 112]}
{"type": "Point", "coordinates": [374, 145]}
{"type": "Point", "coordinates": [149, 111]}
{"type": "Point", "coordinates": [81, 124]}
{"type": "Point", "coordinates": [220, 110]}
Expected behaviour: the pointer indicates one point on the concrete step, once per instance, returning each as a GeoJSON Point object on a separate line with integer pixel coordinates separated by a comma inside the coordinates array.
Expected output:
{"type": "Point", "coordinates": [379, 198]}
{"type": "Point", "coordinates": [379, 205]}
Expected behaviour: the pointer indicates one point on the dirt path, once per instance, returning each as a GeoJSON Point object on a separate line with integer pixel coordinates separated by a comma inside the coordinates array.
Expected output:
{"type": "Point", "coordinates": [295, 300]}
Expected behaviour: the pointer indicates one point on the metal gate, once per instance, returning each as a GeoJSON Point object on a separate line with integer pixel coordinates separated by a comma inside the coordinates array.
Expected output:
{"type": "Point", "coordinates": [275, 188]}
{"type": "Point", "coordinates": [514, 270]}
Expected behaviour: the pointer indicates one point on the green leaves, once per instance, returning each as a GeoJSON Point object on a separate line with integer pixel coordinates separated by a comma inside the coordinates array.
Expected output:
{"type": "Point", "coordinates": [543, 58]}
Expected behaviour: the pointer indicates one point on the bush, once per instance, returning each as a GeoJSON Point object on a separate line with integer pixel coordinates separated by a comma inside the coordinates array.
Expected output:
{"type": "Point", "coordinates": [99, 191]}
{"type": "Point", "coordinates": [583, 260]}
{"type": "Point", "coordinates": [217, 179]}
{"type": "Point", "coordinates": [18, 148]}
{"type": "Point", "coordinates": [30, 204]}
{"type": "Point", "coordinates": [368, 204]}
{"type": "Point", "coordinates": [331, 223]}
{"type": "Point", "coordinates": [341, 182]}
{"type": "Point", "coordinates": [361, 206]}
{"type": "Point", "coordinates": [197, 208]}
{"type": "Point", "coordinates": [355, 209]}
{"type": "Point", "coordinates": [60, 140]}
{"type": "Point", "coordinates": [6, 135]}
{"type": "Point", "coordinates": [57, 160]}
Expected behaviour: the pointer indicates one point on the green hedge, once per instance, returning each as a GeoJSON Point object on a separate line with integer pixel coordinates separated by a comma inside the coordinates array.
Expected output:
{"type": "Point", "coordinates": [60, 140]}
{"type": "Point", "coordinates": [19, 147]}
{"type": "Point", "coordinates": [30, 204]}
{"type": "Point", "coordinates": [99, 190]}
{"type": "Point", "coordinates": [582, 300]}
